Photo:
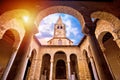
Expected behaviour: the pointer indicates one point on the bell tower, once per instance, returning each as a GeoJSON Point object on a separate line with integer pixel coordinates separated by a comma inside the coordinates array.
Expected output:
{"type": "Point", "coordinates": [59, 28]}
{"type": "Point", "coordinates": [59, 37]}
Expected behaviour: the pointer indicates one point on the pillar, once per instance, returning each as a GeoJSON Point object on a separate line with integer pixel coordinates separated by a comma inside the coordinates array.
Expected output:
{"type": "Point", "coordinates": [19, 66]}
{"type": "Point", "coordinates": [94, 69]}
{"type": "Point", "coordinates": [69, 70]}
{"type": "Point", "coordinates": [51, 69]}
{"type": "Point", "coordinates": [101, 65]}
{"type": "Point", "coordinates": [92, 64]}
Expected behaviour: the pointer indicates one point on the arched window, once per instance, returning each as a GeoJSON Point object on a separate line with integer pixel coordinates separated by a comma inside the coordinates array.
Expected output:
{"type": "Point", "coordinates": [111, 54]}
{"type": "Point", "coordinates": [61, 27]}
{"type": "Point", "coordinates": [45, 69]}
{"type": "Point", "coordinates": [60, 70]}
{"type": "Point", "coordinates": [57, 27]}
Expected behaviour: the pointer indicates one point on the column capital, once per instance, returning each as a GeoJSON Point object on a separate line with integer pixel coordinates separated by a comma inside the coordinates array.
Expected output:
{"type": "Point", "coordinates": [68, 61]}
{"type": "Point", "coordinates": [89, 28]}
{"type": "Point", "coordinates": [117, 32]}
{"type": "Point", "coordinates": [51, 60]}
{"type": "Point", "coordinates": [68, 58]}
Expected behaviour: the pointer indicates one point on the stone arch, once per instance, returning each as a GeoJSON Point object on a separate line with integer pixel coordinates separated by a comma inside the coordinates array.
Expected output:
{"type": "Point", "coordinates": [15, 34]}
{"type": "Point", "coordinates": [45, 69]}
{"type": "Point", "coordinates": [103, 29]}
{"type": "Point", "coordinates": [33, 53]}
{"type": "Point", "coordinates": [16, 13]}
{"type": "Point", "coordinates": [88, 64]}
{"type": "Point", "coordinates": [74, 66]}
{"type": "Point", "coordinates": [60, 72]}
{"type": "Point", "coordinates": [31, 64]}
{"type": "Point", "coordinates": [92, 64]}
{"type": "Point", "coordinates": [59, 55]}
{"type": "Point", "coordinates": [85, 55]}
{"type": "Point", "coordinates": [59, 9]}
{"type": "Point", "coordinates": [9, 44]}
{"type": "Point", "coordinates": [111, 53]}
{"type": "Point", "coordinates": [13, 19]}
{"type": "Point", "coordinates": [15, 28]}
{"type": "Point", "coordinates": [108, 17]}
{"type": "Point", "coordinates": [100, 39]}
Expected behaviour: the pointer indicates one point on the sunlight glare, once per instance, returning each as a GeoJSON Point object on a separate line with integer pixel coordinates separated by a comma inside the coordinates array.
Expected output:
{"type": "Point", "coordinates": [25, 18]}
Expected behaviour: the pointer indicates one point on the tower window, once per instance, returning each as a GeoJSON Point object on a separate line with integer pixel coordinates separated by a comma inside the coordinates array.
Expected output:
{"type": "Point", "coordinates": [61, 27]}
{"type": "Point", "coordinates": [57, 27]}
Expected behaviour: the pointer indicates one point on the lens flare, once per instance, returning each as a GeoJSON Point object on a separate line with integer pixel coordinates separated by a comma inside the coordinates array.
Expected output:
{"type": "Point", "coordinates": [25, 18]}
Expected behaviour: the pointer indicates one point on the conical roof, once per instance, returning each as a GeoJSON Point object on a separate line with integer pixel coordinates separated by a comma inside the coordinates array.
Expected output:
{"type": "Point", "coordinates": [59, 21]}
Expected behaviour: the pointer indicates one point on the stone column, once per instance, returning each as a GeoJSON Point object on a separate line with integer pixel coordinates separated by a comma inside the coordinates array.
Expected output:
{"type": "Point", "coordinates": [69, 70]}
{"type": "Point", "coordinates": [101, 65]}
{"type": "Point", "coordinates": [22, 55]}
{"type": "Point", "coordinates": [92, 64]}
{"type": "Point", "coordinates": [69, 73]}
{"type": "Point", "coordinates": [51, 70]}
{"type": "Point", "coordinates": [94, 69]}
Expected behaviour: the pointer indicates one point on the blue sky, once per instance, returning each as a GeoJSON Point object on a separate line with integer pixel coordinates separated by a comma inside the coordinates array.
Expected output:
{"type": "Point", "coordinates": [46, 28]}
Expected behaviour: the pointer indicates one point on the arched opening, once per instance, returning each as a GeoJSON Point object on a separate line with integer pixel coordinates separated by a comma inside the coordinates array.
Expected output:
{"type": "Point", "coordinates": [85, 54]}
{"type": "Point", "coordinates": [45, 69]}
{"type": "Point", "coordinates": [27, 69]}
{"type": "Point", "coordinates": [74, 67]}
{"type": "Point", "coordinates": [7, 45]}
{"type": "Point", "coordinates": [69, 30]}
{"type": "Point", "coordinates": [51, 29]}
{"type": "Point", "coordinates": [29, 64]}
{"type": "Point", "coordinates": [60, 9]}
{"type": "Point", "coordinates": [112, 54]}
{"type": "Point", "coordinates": [60, 70]}
{"type": "Point", "coordinates": [106, 16]}
{"type": "Point", "coordinates": [60, 63]}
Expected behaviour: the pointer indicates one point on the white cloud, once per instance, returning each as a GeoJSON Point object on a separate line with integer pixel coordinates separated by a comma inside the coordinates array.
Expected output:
{"type": "Point", "coordinates": [46, 28]}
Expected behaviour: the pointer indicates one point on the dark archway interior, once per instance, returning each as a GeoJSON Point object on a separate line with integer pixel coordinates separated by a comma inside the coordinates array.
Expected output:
{"type": "Point", "coordinates": [89, 64]}
{"type": "Point", "coordinates": [60, 70]}
{"type": "Point", "coordinates": [91, 71]}
{"type": "Point", "coordinates": [74, 65]}
{"type": "Point", "coordinates": [111, 53]}
{"type": "Point", "coordinates": [45, 71]}
{"type": "Point", "coordinates": [106, 37]}
{"type": "Point", "coordinates": [29, 63]}
{"type": "Point", "coordinates": [27, 69]}
{"type": "Point", "coordinates": [60, 65]}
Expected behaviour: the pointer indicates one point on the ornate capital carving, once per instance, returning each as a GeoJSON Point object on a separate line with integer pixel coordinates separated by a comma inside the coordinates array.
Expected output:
{"type": "Point", "coordinates": [117, 32]}
{"type": "Point", "coordinates": [89, 29]}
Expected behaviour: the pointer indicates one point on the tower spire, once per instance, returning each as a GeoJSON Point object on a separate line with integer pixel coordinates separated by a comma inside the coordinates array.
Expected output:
{"type": "Point", "coordinates": [59, 21]}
